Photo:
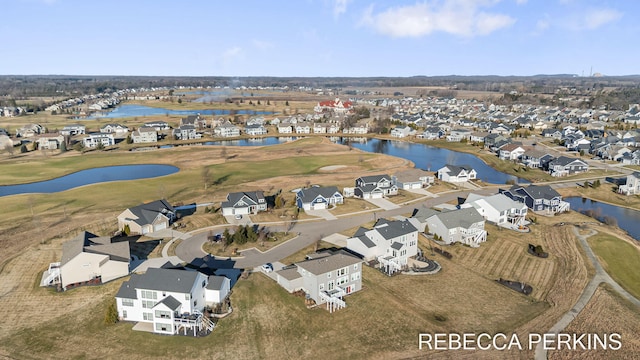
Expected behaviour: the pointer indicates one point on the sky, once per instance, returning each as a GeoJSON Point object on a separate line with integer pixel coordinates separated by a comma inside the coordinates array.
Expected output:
{"type": "Point", "coordinates": [345, 38]}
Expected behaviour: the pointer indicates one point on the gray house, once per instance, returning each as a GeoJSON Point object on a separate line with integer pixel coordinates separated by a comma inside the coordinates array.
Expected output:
{"type": "Point", "coordinates": [374, 187]}
{"type": "Point", "coordinates": [563, 166]}
{"type": "Point", "coordinates": [147, 218]}
{"type": "Point", "coordinates": [327, 277]}
{"type": "Point", "coordinates": [315, 198]}
{"type": "Point", "coordinates": [244, 203]}
{"type": "Point", "coordinates": [464, 225]}
{"type": "Point", "coordinates": [631, 186]}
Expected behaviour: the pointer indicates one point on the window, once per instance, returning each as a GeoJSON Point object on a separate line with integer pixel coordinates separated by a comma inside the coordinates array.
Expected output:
{"type": "Point", "coordinates": [355, 276]}
{"type": "Point", "coordinates": [342, 272]}
{"type": "Point", "coordinates": [329, 275]}
{"type": "Point", "coordinates": [195, 302]}
{"type": "Point", "coordinates": [147, 316]}
{"type": "Point", "coordinates": [343, 280]}
{"type": "Point", "coordinates": [187, 296]}
{"type": "Point", "coordinates": [204, 283]}
{"type": "Point", "coordinates": [148, 294]}
{"type": "Point", "coordinates": [330, 285]}
{"type": "Point", "coordinates": [163, 314]}
{"type": "Point", "coordinates": [127, 302]}
{"type": "Point", "coordinates": [355, 267]}
{"type": "Point", "coordinates": [321, 287]}
{"type": "Point", "coordinates": [162, 327]}
{"type": "Point", "coordinates": [124, 314]}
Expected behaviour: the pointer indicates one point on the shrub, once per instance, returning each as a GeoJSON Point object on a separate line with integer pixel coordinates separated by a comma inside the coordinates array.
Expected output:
{"type": "Point", "coordinates": [111, 316]}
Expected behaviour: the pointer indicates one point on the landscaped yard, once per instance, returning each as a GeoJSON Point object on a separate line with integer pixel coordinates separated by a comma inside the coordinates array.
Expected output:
{"type": "Point", "coordinates": [274, 239]}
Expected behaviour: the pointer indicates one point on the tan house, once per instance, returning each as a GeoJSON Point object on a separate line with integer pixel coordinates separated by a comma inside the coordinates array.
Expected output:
{"type": "Point", "coordinates": [92, 259]}
{"type": "Point", "coordinates": [147, 218]}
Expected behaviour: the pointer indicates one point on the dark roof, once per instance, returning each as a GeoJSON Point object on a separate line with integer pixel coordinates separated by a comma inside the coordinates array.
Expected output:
{"type": "Point", "coordinates": [456, 170]}
{"type": "Point", "coordinates": [563, 160]}
{"type": "Point", "coordinates": [396, 245]}
{"type": "Point", "coordinates": [289, 273]}
{"type": "Point", "coordinates": [391, 229]}
{"type": "Point", "coordinates": [91, 243]}
{"type": "Point", "coordinates": [170, 302]}
{"type": "Point", "coordinates": [310, 194]}
{"type": "Point", "coordinates": [128, 288]}
{"type": "Point", "coordinates": [366, 241]}
{"type": "Point", "coordinates": [215, 282]}
{"type": "Point", "coordinates": [536, 191]}
{"type": "Point", "coordinates": [147, 213]}
{"type": "Point", "coordinates": [323, 265]}
{"type": "Point", "coordinates": [374, 179]}
{"type": "Point", "coordinates": [180, 281]}
{"type": "Point", "coordinates": [234, 198]}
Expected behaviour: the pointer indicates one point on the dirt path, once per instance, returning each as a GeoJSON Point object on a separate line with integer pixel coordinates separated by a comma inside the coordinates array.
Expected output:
{"type": "Point", "coordinates": [601, 276]}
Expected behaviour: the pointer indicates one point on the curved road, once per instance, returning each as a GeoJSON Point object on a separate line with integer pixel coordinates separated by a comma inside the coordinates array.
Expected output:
{"type": "Point", "coordinates": [601, 276]}
{"type": "Point", "coordinates": [190, 250]}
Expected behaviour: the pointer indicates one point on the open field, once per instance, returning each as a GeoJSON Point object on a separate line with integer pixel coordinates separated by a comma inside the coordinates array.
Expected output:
{"type": "Point", "coordinates": [394, 311]}
{"type": "Point", "coordinates": [605, 313]}
{"type": "Point", "coordinates": [41, 217]}
{"type": "Point", "coordinates": [620, 259]}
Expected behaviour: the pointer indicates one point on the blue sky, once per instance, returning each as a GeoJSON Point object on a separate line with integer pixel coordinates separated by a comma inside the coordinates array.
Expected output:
{"type": "Point", "coordinates": [319, 37]}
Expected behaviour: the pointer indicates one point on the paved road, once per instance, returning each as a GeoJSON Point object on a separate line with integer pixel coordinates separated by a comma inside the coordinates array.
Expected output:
{"type": "Point", "coordinates": [601, 276]}
{"type": "Point", "coordinates": [190, 250]}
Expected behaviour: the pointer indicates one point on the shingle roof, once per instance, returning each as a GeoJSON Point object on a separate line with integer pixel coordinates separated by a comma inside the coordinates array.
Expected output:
{"type": "Point", "coordinates": [390, 229]}
{"type": "Point", "coordinates": [463, 218]}
{"type": "Point", "coordinates": [374, 179]}
{"type": "Point", "coordinates": [170, 302]}
{"type": "Point", "coordinates": [289, 273]}
{"type": "Point", "coordinates": [536, 191]}
{"type": "Point", "coordinates": [215, 282]}
{"type": "Point", "coordinates": [308, 195]}
{"type": "Point", "coordinates": [180, 281]}
{"type": "Point", "coordinates": [147, 213]}
{"type": "Point", "coordinates": [333, 262]}
{"type": "Point", "coordinates": [234, 198]}
{"type": "Point", "coordinates": [91, 243]}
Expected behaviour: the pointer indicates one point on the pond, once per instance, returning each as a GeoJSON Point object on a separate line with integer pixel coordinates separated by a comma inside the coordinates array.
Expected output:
{"type": "Point", "coordinates": [131, 110]}
{"type": "Point", "coordinates": [432, 158]}
{"type": "Point", "coordinates": [626, 219]}
{"type": "Point", "coordinates": [90, 176]}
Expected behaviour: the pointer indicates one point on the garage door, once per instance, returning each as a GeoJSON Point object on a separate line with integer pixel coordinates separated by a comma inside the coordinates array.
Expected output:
{"type": "Point", "coordinates": [161, 226]}
{"type": "Point", "coordinates": [318, 206]}
{"type": "Point", "coordinates": [376, 195]}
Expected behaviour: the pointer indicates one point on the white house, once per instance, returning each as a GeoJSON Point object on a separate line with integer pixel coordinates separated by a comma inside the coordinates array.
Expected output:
{"type": "Point", "coordinates": [50, 141]}
{"type": "Point", "coordinates": [498, 209]}
{"type": "Point", "coordinates": [412, 179]}
{"type": "Point", "coordinates": [303, 128]}
{"type": "Point", "coordinates": [244, 203]}
{"type": "Point", "coordinates": [116, 129]}
{"type": "Point", "coordinates": [255, 129]}
{"type": "Point", "coordinates": [144, 134]}
{"type": "Point", "coordinates": [456, 174]}
{"type": "Point", "coordinates": [374, 187]}
{"type": "Point", "coordinates": [93, 139]}
{"type": "Point", "coordinates": [170, 300]}
{"type": "Point", "coordinates": [226, 129]}
{"type": "Point", "coordinates": [631, 186]}
{"type": "Point", "coordinates": [390, 242]}
{"type": "Point", "coordinates": [464, 225]}
{"type": "Point", "coordinates": [511, 152]}
{"type": "Point", "coordinates": [402, 131]}
{"type": "Point", "coordinates": [92, 259]}
{"type": "Point", "coordinates": [284, 128]}
{"type": "Point", "coordinates": [72, 130]}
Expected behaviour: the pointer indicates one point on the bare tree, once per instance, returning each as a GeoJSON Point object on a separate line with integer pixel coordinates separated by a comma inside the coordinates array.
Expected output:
{"type": "Point", "coordinates": [206, 176]}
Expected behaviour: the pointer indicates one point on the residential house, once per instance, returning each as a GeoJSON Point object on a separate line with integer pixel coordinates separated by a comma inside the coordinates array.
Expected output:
{"type": "Point", "coordinates": [92, 259]}
{"type": "Point", "coordinates": [552, 133]}
{"type": "Point", "coordinates": [157, 125]}
{"type": "Point", "coordinates": [30, 130]}
{"type": "Point", "coordinates": [144, 134]}
{"type": "Point", "coordinates": [226, 129]}
{"type": "Point", "coordinates": [511, 152]}
{"type": "Point", "coordinates": [170, 300]}
{"type": "Point", "coordinates": [465, 226]}
{"type": "Point", "coordinates": [326, 128]}
{"type": "Point", "coordinates": [147, 218]}
{"type": "Point", "coordinates": [390, 242]}
{"type": "Point", "coordinates": [498, 209]}
{"type": "Point", "coordinates": [71, 130]}
{"type": "Point", "coordinates": [93, 139]}
{"type": "Point", "coordinates": [457, 135]}
{"type": "Point", "coordinates": [244, 203]}
{"type": "Point", "coordinates": [412, 179]}
{"type": "Point", "coordinates": [186, 132]}
{"type": "Point", "coordinates": [477, 136]}
{"type": "Point", "coordinates": [494, 141]}
{"type": "Point", "coordinates": [336, 106]}
{"type": "Point", "coordinates": [631, 185]}
{"type": "Point", "coordinates": [563, 166]}
{"type": "Point", "coordinates": [285, 128]}
{"type": "Point", "coordinates": [115, 129]}
{"type": "Point", "coordinates": [432, 133]}
{"type": "Point", "coordinates": [536, 158]}
{"type": "Point", "coordinates": [196, 121]}
{"type": "Point", "coordinates": [325, 277]}
{"type": "Point", "coordinates": [456, 174]}
{"type": "Point", "coordinates": [357, 129]}
{"type": "Point", "coordinates": [255, 129]}
{"type": "Point", "coordinates": [374, 187]}
{"type": "Point", "coordinates": [303, 127]}
{"type": "Point", "coordinates": [538, 198]}
{"type": "Point", "coordinates": [50, 141]}
{"type": "Point", "coordinates": [402, 131]}
{"type": "Point", "coordinates": [315, 198]}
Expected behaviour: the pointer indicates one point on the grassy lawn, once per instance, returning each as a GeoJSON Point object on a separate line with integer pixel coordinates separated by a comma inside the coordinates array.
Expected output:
{"type": "Point", "coordinates": [620, 259]}
{"type": "Point", "coordinates": [352, 205]}
{"type": "Point", "coordinates": [404, 196]}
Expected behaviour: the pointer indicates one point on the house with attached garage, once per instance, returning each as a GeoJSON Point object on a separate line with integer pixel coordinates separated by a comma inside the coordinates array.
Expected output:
{"type": "Point", "coordinates": [465, 226]}
{"type": "Point", "coordinates": [326, 277]}
{"type": "Point", "coordinates": [147, 218]}
{"type": "Point", "coordinates": [255, 129]}
{"type": "Point", "coordinates": [536, 158]}
{"type": "Point", "coordinates": [91, 259]}
{"type": "Point", "coordinates": [303, 127]}
{"type": "Point", "coordinates": [563, 166]}
{"type": "Point", "coordinates": [170, 301]}
{"type": "Point", "coordinates": [244, 203]}
{"type": "Point", "coordinates": [402, 131]}
{"type": "Point", "coordinates": [186, 132]}
{"type": "Point", "coordinates": [374, 187]}
{"type": "Point", "coordinates": [116, 129]}
{"type": "Point", "coordinates": [498, 209]}
{"type": "Point", "coordinates": [197, 121]}
{"type": "Point", "coordinates": [412, 179]}
{"type": "Point", "coordinates": [456, 135]}
{"type": "Point", "coordinates": [456, 174]}
{"type": "Point", "coordinates": [50, 141]}
{"type": "Point", "coordinates": [511, 152]}
{"type": "Point", "coordinates": [316, 198]}
{"type": "Point", "coordinates": [285, 128]}
{"type": "Point", "coordinates": [158, 125]}
{"type": "Point", "coordinates": [538, 198]}
{"type": "Point", "coordinates": [391, 243]}
{"type": "Point", "coordinates": [226, 129]}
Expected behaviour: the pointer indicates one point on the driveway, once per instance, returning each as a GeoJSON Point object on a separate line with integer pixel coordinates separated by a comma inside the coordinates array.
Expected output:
{"type": "Point", "coordinates": [336, 239]}
{"type": "Point", "coordinates": [231, 219]}
{"type": "Point", "coordinates": [276, 266]}
{"type": "Point", "coordinates": [324, 213]}
{"type": "Point", "coordinates": [421, 191]}
{"type": "Point", "coordinates": [383, 204]}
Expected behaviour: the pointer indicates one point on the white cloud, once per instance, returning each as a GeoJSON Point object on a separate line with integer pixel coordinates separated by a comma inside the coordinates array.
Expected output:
{"type": "Point", "coordinates": [542, 25]}
{"type": "Point", "coordinates": [458, 17]}
{"type": "Point", "coordinates": [340, 7]}
{"type": "Point", "coordinates": [520, 2]}
{"type": "Point", "coordinates": [593, 19]}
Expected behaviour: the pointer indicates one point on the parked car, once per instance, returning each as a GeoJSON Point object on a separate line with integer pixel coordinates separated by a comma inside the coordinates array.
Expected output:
{"type": "Point", "coordinates": [267, 267]}
{"type": "Point", "coordinates": [238, 217]}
